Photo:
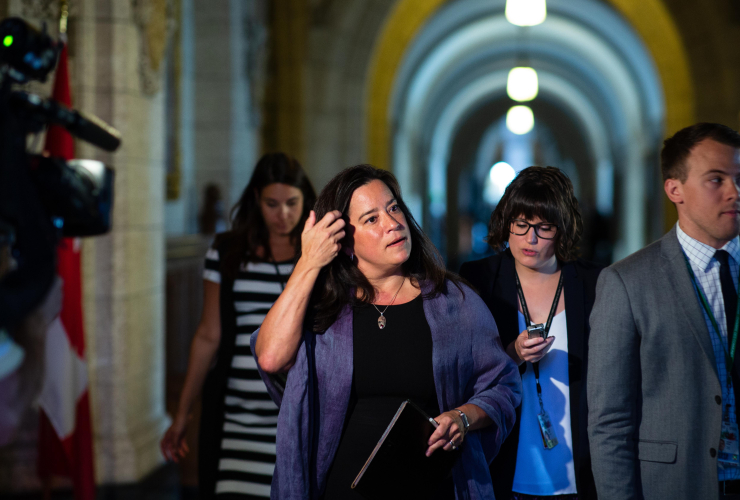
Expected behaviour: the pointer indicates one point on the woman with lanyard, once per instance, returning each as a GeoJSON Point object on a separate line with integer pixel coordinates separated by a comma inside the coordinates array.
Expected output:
{"type": "Point", "coordinates": [527, 285]}
{"type": "Point", "coordinates": [245, 272]}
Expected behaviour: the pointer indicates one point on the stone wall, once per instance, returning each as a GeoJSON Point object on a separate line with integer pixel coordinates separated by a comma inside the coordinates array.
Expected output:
{"type": "Point", "coordinates": [222, 48]}
{"type": "Point", "coordinates": [711, 33]}
{"type": "Point", "coordinates": [341, 38]}
{"type": "Point", "coordinates": [124, 270]}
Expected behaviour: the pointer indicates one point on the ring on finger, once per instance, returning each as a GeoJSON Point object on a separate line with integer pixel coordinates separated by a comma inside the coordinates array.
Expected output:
{"type": "Point", "coordinates": [453, 445]}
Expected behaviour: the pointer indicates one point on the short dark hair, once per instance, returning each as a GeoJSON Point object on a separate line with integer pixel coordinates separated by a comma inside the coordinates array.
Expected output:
{"type": "Point", "coordinates": [340, 278]}
{"type": "Point", "coordinates": [545, 193]}
{"type": "Point", "coordinates": [677, 149]}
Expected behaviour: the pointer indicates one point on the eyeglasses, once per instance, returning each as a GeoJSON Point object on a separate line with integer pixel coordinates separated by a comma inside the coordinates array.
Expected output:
{"type": "Point", "coordinates": [544, 230]}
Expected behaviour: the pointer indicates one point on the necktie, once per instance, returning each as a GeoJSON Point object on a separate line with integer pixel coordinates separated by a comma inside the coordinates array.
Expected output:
{"type": "Point", "coordinates": [729, 294]}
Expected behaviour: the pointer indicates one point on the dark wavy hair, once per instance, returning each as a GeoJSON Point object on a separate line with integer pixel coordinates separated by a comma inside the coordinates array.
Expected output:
{"type": "Point", "coordinates": [338, 282]}
{"type": "Point", "coordinates": [545, 193]}
{"type": "Point", "coordinates": [248, 229]}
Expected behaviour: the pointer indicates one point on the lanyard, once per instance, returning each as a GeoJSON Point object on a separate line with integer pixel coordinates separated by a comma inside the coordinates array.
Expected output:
{"type": "Point", "coordinates": [729, 356]}
{"type": "Point", "coordinates": [525, 310]}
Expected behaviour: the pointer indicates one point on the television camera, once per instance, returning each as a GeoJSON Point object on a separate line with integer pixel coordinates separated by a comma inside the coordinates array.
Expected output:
{"type": "Point", "coordinates": [42, 198]}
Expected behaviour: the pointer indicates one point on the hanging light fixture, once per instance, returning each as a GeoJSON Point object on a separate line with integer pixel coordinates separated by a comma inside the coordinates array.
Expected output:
{"type": "Point", "coordinates": [500, 176]}
{"type": "Point", "coordinates": [520, 119]}
{"type": "Point", "coordinates": [522, 84]}
{"type": "Point", "coordinates": [526, 12]}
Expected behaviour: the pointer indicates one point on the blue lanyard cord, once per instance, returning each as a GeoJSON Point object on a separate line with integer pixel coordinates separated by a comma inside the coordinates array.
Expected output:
{"type": "Point", "coordinates": [729, 356]}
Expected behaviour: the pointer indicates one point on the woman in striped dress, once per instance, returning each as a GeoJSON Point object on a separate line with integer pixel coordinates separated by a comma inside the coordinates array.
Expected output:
{"type": "Point", "coordinates": [245, 272]}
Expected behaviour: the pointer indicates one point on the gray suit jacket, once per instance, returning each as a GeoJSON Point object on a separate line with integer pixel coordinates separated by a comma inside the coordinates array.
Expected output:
{"type": "Point", "coordinates": [655, 411]}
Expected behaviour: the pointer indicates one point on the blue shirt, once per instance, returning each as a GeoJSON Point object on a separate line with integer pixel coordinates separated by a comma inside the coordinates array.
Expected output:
{"type": "Point", "coordinates": [706, 271]}
{"type": "Point", "coordinates": [542, 472]}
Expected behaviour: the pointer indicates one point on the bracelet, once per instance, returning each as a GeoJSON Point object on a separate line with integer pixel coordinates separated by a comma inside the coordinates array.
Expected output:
{"type": "Point", "coordinates": [465, 421]}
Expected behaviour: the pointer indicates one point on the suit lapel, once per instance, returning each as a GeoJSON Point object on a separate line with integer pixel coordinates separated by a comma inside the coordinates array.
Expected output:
{"type": "Point", "coordinates": [679, 280]}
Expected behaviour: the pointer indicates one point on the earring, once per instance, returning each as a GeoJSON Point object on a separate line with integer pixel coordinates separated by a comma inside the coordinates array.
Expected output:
{"type": "Point", "coordinates": [350, 253]}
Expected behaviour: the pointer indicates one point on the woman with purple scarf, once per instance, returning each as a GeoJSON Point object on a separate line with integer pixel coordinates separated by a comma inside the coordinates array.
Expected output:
{"type": "Point", "coordinates": [369, 318]}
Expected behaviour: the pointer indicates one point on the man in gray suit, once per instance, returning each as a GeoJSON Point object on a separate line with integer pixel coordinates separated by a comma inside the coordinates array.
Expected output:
{"type": "Point", "coordinates": [661, 374]}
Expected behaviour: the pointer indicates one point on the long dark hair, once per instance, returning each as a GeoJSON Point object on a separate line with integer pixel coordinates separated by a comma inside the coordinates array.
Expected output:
{"type": "Point", "coordinates": [248, 229]}
{"type": "Point", "coordinates": [546, 193]}
{"type": "Point", "coordinates": [338, 281]}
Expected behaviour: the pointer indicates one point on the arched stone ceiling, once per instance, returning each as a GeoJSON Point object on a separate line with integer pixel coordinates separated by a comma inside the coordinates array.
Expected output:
{"type": "Point", "coordinates": [569, 31]}
{"type": "Point", "coordinates": [608, 70]}
{"type": "Point", "coordinates": [650, 18]}
{"type": "Point", "coordinates": [556, 90]}
{"type": "Point", "coordinates": [595, 71]}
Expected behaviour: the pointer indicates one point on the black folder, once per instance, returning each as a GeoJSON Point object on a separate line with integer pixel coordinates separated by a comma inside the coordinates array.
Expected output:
{"type": "Point", "coordinates": [398, 466]}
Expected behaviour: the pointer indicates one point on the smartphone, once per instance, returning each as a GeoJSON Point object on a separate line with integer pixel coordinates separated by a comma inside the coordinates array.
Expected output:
{"type": "Point", "coordinates": [535, 331]}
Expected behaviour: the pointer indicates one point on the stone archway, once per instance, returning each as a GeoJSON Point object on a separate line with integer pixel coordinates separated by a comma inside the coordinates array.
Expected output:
{"type": "Point", "coordinates": [406, 24]}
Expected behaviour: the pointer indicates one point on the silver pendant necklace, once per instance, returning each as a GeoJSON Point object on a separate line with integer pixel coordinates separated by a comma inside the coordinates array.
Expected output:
{"type": "Point", "coordinates": [382, 321]}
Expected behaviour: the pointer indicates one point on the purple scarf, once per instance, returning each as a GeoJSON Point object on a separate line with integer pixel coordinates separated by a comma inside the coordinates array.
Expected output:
{"type": "Point", "coordinates": [469, 364]}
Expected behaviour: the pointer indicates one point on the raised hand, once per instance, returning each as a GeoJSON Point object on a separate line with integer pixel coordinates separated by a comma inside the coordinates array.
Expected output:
{"type": "Point", "coordinates": [320, 240]}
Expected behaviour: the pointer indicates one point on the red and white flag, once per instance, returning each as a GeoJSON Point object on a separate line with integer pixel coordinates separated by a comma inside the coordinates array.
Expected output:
{"type": "Point", "coordinates": [65, 432]}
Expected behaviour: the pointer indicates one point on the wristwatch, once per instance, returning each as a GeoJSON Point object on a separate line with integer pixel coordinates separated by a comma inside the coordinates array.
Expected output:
{"type": "Point", "coordinates": [464, 417]}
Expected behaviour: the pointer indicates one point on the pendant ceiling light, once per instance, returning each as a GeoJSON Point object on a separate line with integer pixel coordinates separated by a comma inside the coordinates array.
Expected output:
{"type": "Point", "coordinates": [501, 174]}
{"type": "Point", "coordinates": [522, 84]}
{"type": "Point", "coordinates": [520, 120]}
{"type": "Point", "coordinates": [526, 12]}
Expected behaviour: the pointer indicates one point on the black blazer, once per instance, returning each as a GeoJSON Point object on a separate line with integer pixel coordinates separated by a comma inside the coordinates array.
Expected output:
{"type": "Point", "coordinates": [494, 279]}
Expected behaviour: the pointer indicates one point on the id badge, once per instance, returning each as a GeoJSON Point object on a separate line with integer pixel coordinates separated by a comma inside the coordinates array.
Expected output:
{"type": "Point", "coordinates": [550, 440]}
{"type": "Point", "coordinates": [729, 448]}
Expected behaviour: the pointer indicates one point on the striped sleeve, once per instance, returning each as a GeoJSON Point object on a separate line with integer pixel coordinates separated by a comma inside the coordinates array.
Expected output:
{"type": "Point", "coordinates": [210, 270]}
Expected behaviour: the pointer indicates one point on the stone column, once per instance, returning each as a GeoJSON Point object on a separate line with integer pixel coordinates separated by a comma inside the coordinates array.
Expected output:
{"type": "Point", "coordinates": [124, 270]}
{"type": "Point", "coordinates": [283, 128]}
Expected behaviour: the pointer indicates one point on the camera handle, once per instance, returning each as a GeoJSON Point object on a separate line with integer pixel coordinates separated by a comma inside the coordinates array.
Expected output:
{"type": "Point", "coordinates": [86, 127]}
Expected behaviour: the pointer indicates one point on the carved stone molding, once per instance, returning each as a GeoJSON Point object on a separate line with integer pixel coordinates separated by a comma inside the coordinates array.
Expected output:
{"type": "Point", "coordinates": [42, 10]}
{"type": "Point", "coordinates": [156, 22]}
{"type": "Point", "coordinates": [255, 58]}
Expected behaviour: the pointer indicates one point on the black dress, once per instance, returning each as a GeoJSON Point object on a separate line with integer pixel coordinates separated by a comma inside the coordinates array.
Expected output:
{"type": "Point", "coordinates": [239, 423]}
{"type": "Point", "coordinates": [390, 366]}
